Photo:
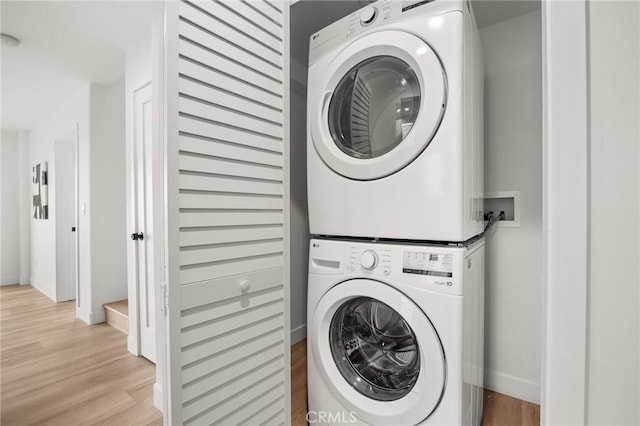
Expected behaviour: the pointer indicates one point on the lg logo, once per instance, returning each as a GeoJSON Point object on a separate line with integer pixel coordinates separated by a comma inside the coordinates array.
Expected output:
{"type": "Point", "coordinates": [328, 417]}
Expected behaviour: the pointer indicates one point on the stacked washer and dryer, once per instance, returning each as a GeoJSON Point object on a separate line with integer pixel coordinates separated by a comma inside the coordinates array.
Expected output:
{"type": "Point", "coordinates": [395, 186]}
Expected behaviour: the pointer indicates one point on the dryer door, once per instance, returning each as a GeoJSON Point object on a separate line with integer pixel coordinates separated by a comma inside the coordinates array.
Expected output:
{"type": "Point", "coordinates": [379, 353]}
{"type": "Point", "coordinates": [377, 105]}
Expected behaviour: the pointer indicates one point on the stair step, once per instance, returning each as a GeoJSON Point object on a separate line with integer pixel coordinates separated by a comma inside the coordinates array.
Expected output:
{"type": "Point", "coordinates": [117, 315]}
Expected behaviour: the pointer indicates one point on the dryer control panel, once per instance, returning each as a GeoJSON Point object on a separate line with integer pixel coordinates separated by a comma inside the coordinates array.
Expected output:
{"type": "Point", "coordinates": [374, 16]}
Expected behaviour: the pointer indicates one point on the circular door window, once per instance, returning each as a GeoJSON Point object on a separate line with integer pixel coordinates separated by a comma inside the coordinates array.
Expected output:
{"type": "Point", "coordinates": [374, 107]}
{"type": "Point", "coordinates": [377, 352]}
{"type": "Point", "coordinates": [375, 349]}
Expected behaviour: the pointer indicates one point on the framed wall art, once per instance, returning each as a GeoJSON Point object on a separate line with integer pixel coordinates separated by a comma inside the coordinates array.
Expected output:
{"type": "Point", "coordinates": [40, 186]}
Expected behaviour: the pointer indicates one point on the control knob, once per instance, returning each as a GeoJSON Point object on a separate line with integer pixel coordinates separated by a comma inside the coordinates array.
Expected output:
{"type": "Point", "coordinates": [368, 15]}
{"type": "Point", "coordinates": [369, 259]}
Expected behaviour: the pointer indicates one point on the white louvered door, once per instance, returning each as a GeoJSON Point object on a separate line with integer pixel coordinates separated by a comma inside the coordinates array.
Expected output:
{"type": "Point", "coordinates": [226, 139]}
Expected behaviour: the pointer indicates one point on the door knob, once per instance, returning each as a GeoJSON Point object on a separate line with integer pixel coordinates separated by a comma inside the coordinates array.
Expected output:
{"type": "Point", "coordinates": [137, 236]}
{"type": "Point", "coordinates": [245, 285]}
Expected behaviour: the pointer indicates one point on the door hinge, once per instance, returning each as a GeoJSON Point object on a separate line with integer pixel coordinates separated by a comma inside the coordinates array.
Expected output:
{"type": "Point", "coordinates": [165, 298]}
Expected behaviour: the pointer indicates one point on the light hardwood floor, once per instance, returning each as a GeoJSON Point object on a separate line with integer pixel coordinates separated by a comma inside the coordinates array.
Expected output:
{"type": "Point", "coordinates": [499, 410]}
{"type": "Point", "coordinates": [56, 370]}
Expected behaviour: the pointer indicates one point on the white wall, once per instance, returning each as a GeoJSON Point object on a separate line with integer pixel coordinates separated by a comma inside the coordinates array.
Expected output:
{"type": "Point", "coordinates": [108, 198]}
{"type": "Point", "coordinates": [613, 334]}
{"type": "Point", "coordinates": [25, 200]}
{"type": "Point", "coordinates": [306, 18]}
{"type": "Point", "coordinates": [9, 208]}
{"type": "Point", "coordinates": [98, 113]}
{"type": "Point", "coordinates": [513, 162]}
{"type": "Point", "coordinates": [72, 112]}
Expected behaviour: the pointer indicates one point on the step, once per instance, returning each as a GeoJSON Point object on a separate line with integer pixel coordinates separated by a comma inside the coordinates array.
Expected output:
{"type": "Point", "coordinates": [117, 315]}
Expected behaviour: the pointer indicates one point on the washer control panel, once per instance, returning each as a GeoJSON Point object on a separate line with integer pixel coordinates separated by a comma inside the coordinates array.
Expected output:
{"type": "Point", "coordinates": [373, 261]}
{"type": "Point", "coordinates": [436, 268]}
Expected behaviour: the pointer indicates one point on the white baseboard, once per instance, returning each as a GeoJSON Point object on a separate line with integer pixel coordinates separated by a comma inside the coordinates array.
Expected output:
{"type": "Point", "coordinates": [157, 396]}
{"type": "Point", "coordinates": [512, 386]}
{"type": "Point", "coordinates": [9, 281]}
{"type": "Point", "coordinates": [83, 315]}
{"type": "Point", "coordinates": [298, 333]}
{"type": "Point", "coordinates": [92, 317]}
{"type": "Point", "coordinates": [96, 317]}
{"type": "Point", "coordinates": [47, 290]}
{"type": "Point", "coordinates": [132, 345]}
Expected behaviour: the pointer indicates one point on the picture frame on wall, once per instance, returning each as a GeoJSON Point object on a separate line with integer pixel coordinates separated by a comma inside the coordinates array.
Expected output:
{"type": "Point", "coordinates": [40, 187]}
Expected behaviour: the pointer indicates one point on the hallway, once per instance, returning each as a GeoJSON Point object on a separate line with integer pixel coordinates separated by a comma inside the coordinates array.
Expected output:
{"type": "Point", "coordinates": [56, 370]}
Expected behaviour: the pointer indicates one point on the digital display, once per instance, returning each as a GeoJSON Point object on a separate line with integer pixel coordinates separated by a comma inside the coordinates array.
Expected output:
{"type": "Point", "coordinates": [434, 264]}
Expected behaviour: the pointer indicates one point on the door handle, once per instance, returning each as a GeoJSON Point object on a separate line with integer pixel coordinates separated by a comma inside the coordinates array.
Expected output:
{"type": "Point", "coordinates": [137, 236]}
{"type": "Point", "coordinates": [73, 229]}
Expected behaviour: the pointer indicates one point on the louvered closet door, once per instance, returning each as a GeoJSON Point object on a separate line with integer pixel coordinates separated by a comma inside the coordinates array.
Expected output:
{"type": "Point", "coordinates": [226, 75]}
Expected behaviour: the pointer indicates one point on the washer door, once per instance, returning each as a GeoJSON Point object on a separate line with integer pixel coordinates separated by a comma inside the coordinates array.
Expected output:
{"type": "Point", "coordinates": [377, 105]}
{"type": "Point", "coordinates": [378, 352]}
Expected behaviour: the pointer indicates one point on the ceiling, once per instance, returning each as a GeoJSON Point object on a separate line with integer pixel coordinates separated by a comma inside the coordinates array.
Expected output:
{"type": "Point", "coordinates": [309, 16]}
{"type": "Point", "coordinates": [67, 43]}
{"type": "Point", "coordinates": [64, 45]}
{"type": "Point", "coordinates": [487, 12]}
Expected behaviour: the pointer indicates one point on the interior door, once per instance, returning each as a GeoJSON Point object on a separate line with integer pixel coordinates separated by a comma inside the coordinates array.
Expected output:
{"type": "Point", "coordinates": [376, 105]}
{"type": "Point", "coordinates": [144, 265]}
{"type": "Point", "coordinates": [225, 103]}
{"type": "Point", "coordinates": [64, 181]}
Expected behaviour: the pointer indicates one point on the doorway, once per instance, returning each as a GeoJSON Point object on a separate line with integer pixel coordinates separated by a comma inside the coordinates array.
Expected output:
{"type": "Point", "coordinates": [65, 186]}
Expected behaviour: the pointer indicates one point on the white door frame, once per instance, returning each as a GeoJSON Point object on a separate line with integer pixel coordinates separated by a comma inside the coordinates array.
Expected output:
{"type": "Point", "coordinates": [565, 212]}
{"type": "Point", "coordinates": [160, 203]}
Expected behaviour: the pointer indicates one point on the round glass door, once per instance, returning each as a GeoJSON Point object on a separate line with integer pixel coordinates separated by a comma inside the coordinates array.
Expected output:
{"type": "Point", "coordinates": [374, 107]}
{"type": "Point", "coordinates": [374, 349]}
{"type": "Point", "coordinates": [382, 360]}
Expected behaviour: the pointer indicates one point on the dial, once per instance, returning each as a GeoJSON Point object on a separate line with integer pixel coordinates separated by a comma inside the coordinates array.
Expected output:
{"type": "Point", "coordinates": [368, 15]}
{"type": "Point", "coordinates": [369, 259]}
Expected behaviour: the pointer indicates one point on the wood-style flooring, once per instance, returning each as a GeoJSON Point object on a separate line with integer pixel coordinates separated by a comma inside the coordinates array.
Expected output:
{"type": "Point", "coordinates": [499, 410]}
{"type": "Point", "coordinates": [56, 370]}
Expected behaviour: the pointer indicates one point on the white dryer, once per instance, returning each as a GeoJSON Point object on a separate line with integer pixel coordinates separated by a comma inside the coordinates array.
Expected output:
{"type": "Point", "coordinates": [395, 333]}
{"type": "Point", "coordinates": [394, 142]}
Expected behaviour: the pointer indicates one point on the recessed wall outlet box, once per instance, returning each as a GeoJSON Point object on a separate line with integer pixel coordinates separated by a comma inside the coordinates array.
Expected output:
{"type": "Point", "coordinates": [507, 202]}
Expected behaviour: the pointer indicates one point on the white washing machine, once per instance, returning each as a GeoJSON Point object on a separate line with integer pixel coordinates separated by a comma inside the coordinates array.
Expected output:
{"type": "Point", "coordinates": [395, 333]}
{"type": "Point", "coordinates": [394, 142]}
